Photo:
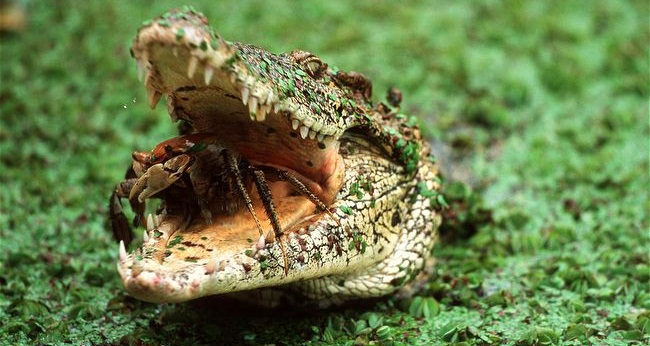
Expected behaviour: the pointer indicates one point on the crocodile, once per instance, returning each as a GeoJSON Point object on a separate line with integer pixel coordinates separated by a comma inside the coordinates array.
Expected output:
{"type": "Point", "coordinates": [365, 221]}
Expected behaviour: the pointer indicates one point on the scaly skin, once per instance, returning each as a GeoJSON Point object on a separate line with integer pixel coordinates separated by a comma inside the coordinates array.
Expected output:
{"type": "Point", "coordinates": [364, 160]}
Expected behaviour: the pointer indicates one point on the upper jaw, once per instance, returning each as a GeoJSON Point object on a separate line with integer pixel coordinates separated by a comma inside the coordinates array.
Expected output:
{"type": "Point", "coordinates": [223, 87]}
{"type": "Point", "coordinates": [192, 55]}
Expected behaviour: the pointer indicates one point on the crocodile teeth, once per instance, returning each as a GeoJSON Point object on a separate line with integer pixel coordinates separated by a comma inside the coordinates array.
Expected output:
{"type": "Point", "coordinates": [191, 66]}
{"type": "Point", "coordinates": [244, 95]}
{"type": "Point", "coordinates": [123, 255]}
{"type": "Point", "coordinates": [150, 223]}
{"type": "Point", "coordinates": [252, 105]}
{"type": "Point", "coordinates": [320, 137]}
{"type": "Point", "coordinates": [261, 113]}
{"type": "Point", "coordinates": [139, 65]}
{"type": "Point", "coordinates": [304, 132]}
{"type": "Point", "coordinates": [269, 97]}
{"type": "Point", "coordinates": [153, 97]}
{"type": "Point", "coordinates": [147, 76]}
{"type": "Point", "coordinates": [312, 134]}
{"type": "Point", "coordinates": [295, 123]}
{"type": "Point", "coordinates": [145, 236]}
{"type": "Point", "coordinates": [276, 108]}
{"type": "Point", "coordinates": [261, 242]}
{"type": "Point", "coordinates": [207, 76]}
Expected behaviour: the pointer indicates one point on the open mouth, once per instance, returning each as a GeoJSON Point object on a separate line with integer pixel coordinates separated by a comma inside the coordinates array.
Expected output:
{"type": "Point", "coordinates": [242, 105]}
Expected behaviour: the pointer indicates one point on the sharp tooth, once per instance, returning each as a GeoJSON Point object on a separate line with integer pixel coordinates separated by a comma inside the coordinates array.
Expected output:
{"type": "Point", "coordinates": [261, 243]}
{"type": "Point", "coordinates": [304, 131]}
{"type": "Point", "coordinates": [295, 123]}
{"type": "Point", "coordinates": [270, 237]}
{"type": "Point", "coordinates": [207, 75]}
{"type": "Point", "coordinates": [123, 255]}
{"type": "Point", "coordinates": [147, 76]}
{"type": "Point", "coordinates": [145, 236]}
{"type": "Point", "coordinates": [157, 219]}
{"type": "Point", "coordinates": [139, 65]}
{"type": "Point", "coordinates": [150, 224]}
{"type": "Point", "coordinates": [233, 80]}
{"type": "Point", "coordinates": [320, 137]}
{"type": "Point", "coordinates": [244, 95]}
{"type": "Point", "coordinates": [252, 104]}
{"type": "Point", "coordinates": [276, 108]}
{"type": "Point", "coordinates": [312, 134]}
{"type": "Point", "coordinates": [269, 97]}
{"type": "Point", "coordinates": [153, 97]}
{"type": "Point", "coordinates": [261, 114]}
{"type": "Point", "coordinates": [191, 67]}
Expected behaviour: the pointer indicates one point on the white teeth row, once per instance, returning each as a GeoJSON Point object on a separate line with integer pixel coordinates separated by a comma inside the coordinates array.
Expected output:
{"type": "Point", "coordinates": [192, 66]}
{"type": "Point", "coordinates": [144, 75]}
{"type": "Point", "coordinates": [306, 131]}
{"type": "Point", "coordinates": [258, 107]}
{"type": "Point", "coordinates": [261, 110]}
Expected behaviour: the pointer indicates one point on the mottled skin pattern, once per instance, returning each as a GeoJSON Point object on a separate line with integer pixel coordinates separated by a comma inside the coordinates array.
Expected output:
{"type": "Point", "coordinates": [364, 160]}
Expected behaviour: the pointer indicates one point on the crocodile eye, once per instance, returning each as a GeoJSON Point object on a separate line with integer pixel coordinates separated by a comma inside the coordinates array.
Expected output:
{"type": "Point", "coordinates": [311, 63]}
{"type": "Point", "coordinates": [315, 67]}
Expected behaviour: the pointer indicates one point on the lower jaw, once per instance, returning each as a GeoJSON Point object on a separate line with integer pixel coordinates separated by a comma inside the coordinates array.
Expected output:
{"type": "Point", "coordinates": [177, 254]}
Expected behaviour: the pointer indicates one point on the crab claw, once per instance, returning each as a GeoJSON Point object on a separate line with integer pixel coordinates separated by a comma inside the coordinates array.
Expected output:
{"type": "Point", "coordinates": [160, 176]}
{"type": "Point", "coordinates": [154, 180]}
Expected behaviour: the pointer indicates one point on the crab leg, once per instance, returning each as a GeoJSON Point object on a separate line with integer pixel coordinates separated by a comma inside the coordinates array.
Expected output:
{"type": "Point", "coordinates": [298, 185]}
{"type": "Point", "coordinates": [233, 168]}
{"type": "Point", "coordinates": [119, 223]}
{"type": "Point", "coordinates": [267, 201]}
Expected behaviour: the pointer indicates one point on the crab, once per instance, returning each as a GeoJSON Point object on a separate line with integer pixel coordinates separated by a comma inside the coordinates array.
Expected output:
{"type": "Point", "coordinates": [198, 165]}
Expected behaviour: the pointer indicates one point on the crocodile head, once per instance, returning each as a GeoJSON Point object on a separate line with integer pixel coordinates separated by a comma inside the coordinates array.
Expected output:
{"type": "Point", "coordinates": [363, 160]}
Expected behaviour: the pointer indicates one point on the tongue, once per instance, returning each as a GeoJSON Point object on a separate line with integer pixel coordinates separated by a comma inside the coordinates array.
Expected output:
{"type": "Point", "coordinates": [228, 235]}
